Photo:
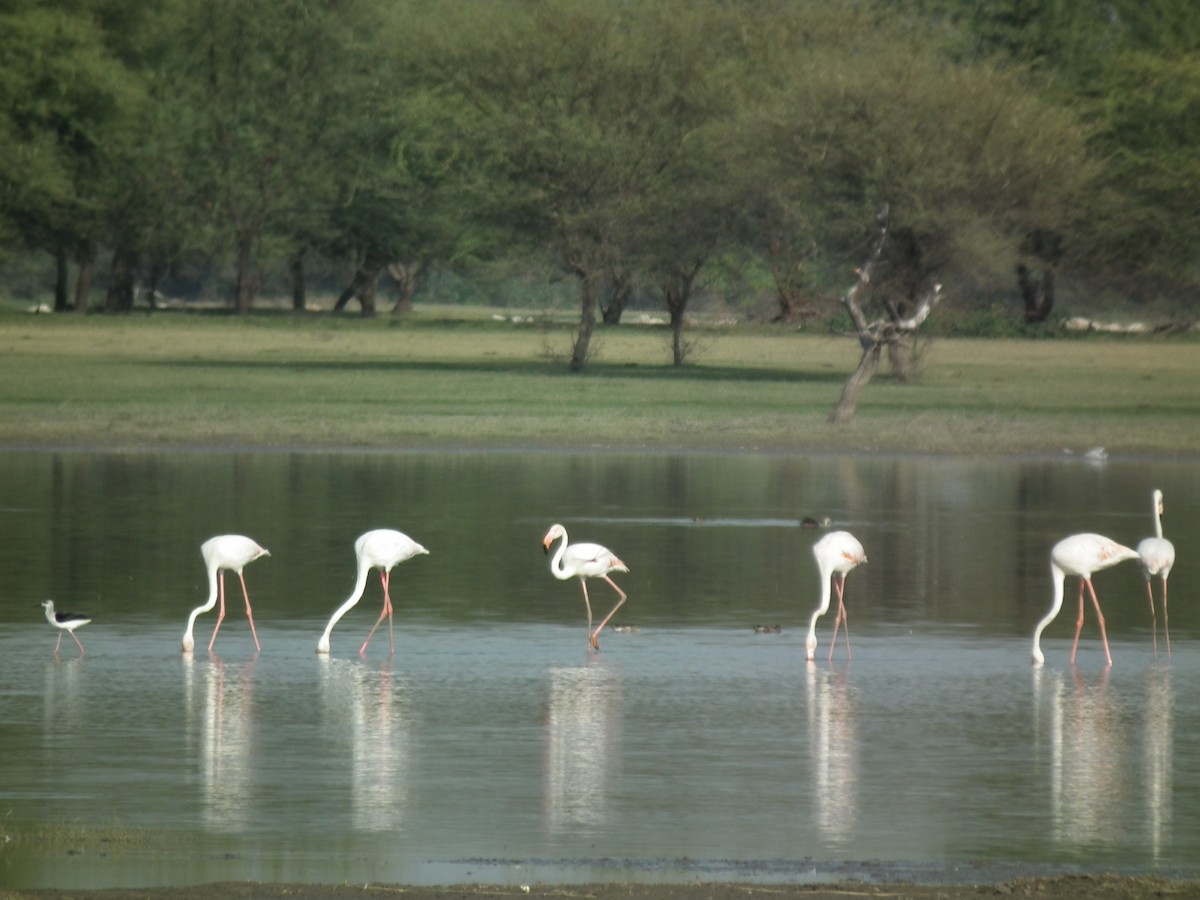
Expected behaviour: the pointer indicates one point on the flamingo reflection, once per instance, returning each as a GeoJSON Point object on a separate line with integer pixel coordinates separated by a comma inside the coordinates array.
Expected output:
{"type": "Point", "coordinates": [582, 733]}
{"type": "Point", "coordinates": [225, 722]}
{"type": "Point", "coordinates": [369, 707]}
{"type": "Point", "coordinates": [1088, 777]}
{"type": "Point", "coordinates": [1158, 751]}
{"type": "Point", "coordinates": [833, 743]}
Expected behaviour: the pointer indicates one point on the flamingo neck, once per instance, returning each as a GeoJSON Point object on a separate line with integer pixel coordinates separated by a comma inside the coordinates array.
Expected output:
{"type": "Point", "coordinates": [213, 576]}
{"type": "Point", "coordinates": [556, 563]}
{"type": "Point", "coordinates": [1157, 519]}
{"type": "Point", "coordinates": [826, 594]}
{"type": "Point", "coordinates": [1059, 576]}
{"type": "Point", "coordinates": [364, 569]}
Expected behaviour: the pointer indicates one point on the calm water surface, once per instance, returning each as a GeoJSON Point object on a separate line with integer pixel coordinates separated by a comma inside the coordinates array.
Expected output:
{"type": "Point", "coordinates": [493, 747]}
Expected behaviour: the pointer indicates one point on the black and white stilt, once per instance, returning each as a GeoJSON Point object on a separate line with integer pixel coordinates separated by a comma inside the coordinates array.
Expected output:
{"type": "Point", "coordinates": [64, 621]}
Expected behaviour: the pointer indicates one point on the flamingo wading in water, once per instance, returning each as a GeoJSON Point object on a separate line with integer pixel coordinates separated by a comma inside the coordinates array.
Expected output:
{"type": "Point", "coordinates": [584, 561]}
{"type": "Point", "coordinates": [225, 551]}
{"type": "Point", "coordinates": [64, 621]}
{"type": "Point", "coordinates": [836, 554]}
{"type": "Point", "coordinates": [1080, 555]}
{"type": "Point", "coordinates": [1157, 556]}
{"type": "Point", "coordinates": [382, 549]}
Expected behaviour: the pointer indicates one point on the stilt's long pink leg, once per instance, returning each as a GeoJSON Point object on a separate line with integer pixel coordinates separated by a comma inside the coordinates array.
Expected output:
{"type": "Point", "coordinates": [58, 643]}
{"type": "Point", "coordinates": [249, 613]}
{"type": "Point", "coordinates": [220, 613]}
{"type": "Point", "coordinates": [81, 650]}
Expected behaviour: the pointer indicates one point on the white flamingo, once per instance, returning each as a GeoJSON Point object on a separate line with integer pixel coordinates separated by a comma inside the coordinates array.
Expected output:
{"type": "Point", "coordinates": [1080, 555]}
{"type": "Point", "coordinates": [382, 549]}
{"type": "Point", "coordinates": [836, 554]}
{"type": "Point", "coordinates": [1157, 556]}
{"type": "Point", "coordinates": [225, 551]}
{"type": "Point", "coordinates": [64, 621]}
{"type": "Point", "coordinates": [585, 561]}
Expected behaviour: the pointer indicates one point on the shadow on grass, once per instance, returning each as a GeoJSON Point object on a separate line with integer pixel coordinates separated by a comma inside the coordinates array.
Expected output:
{"type": "Point", "coordinates": [525, 367]}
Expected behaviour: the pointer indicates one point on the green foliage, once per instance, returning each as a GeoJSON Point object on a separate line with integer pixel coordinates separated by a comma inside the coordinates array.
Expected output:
{"type": "Point", "coordinates": [648, 138]}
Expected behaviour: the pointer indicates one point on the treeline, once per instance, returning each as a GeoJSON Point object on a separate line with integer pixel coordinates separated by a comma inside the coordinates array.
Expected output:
{"type": "Point", "coordinates": [633, 146]}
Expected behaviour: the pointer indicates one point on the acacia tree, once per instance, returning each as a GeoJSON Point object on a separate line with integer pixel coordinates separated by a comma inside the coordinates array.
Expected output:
{"type": "Point", "coordinates": [67, 104]}
{"type": "Point", "coordinates": [265, 91]}
{"type": "Point", "coordinates": [591, 102]}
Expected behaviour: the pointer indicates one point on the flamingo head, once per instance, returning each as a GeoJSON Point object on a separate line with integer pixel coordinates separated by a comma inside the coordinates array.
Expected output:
{"type": "Point", "coordinates": [1158, 502]}
{"type": "Point", "coordinates": [810, 646]}
{"type": "Point", "coordinates": [555, 532]}
{"type": "Point", "coordinates": [189, 643]}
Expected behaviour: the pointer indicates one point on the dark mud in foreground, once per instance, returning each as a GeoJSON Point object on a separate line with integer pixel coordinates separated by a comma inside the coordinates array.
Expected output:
{"type": "Point", "coordinates": [1068, 887]}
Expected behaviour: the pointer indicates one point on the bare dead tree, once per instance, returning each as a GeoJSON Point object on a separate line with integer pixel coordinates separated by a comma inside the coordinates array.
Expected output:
{"type": "Point", "coordinates": [883, 333]}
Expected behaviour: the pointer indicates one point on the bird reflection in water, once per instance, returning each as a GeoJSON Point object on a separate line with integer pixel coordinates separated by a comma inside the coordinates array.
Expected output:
{"type": "Point", "coordinates": [1157, 755]}
{"type": "Point", "coordinates": [581, 739]}
{"type": "Point", "coordinates": [1084, 728]}
{"type": "Point", "coordinates": [833, 751]}
{"type": "Point", "coordinates": [369, 707]}
{"type": "Point", "coordinates": [223, 717]}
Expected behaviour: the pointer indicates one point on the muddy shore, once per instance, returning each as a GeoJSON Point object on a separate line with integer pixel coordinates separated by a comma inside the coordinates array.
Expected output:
{"type": "Point", "coordinates": [1068, 887]}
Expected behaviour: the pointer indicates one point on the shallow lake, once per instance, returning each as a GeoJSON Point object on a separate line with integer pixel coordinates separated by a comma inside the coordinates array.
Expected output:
{"type": "Point", "coordinates": [494, 747]}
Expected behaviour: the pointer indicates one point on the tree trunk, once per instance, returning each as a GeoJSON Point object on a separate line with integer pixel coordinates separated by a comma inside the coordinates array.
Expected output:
{"type": "Point", "coordinates": [119, 298]}
{"type": "Point", "coordinates": [587, 321]}
{"type": "Point", "coordinates": [362, 286]}
{"type": "Point", "coordinates": [299, 288]}
{"type": "Point", "coordinates": [844, 411]}
{"type": "Point", "coordinates": [62, 275]}
{"type": "Point", "coordinates": [902, 355]}
{"type": "Point", "coordinates": [622, 290]}
{"type": "Point", "coordinates": [83, 281]}
{"type": "Point", "coordinates": [405, 278]}
{"type": "Point", "coordinates": [1038, 296]}
{"type": "Point", "coordinates": [243, 289]}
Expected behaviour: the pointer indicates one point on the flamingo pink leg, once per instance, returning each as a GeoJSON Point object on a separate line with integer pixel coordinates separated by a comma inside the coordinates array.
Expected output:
{"type": "Point", "coordinates": [220, 612]}
{"type": "Point", "coordinates": [249, 614]}
{"type": "Point", "coordinates": [592, 642]}
{"type": "Point", "coordinates": [1166, 624]}
{"type": "Point", "coordinates": [840, 584]}
{"type": "Point", "coordinates": [1153, 623]}
{"type": "Point", "coordinates": [1099, 616]}
{"type": "Point", "coordinates": [595, 635]}
{"type": "Point", "coordinates": [384, 579]}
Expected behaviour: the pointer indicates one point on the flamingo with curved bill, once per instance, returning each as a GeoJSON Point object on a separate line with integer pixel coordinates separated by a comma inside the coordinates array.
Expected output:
{"type": "Point", "coordinates": [837, 554]}
{"type": "Point", "coordinates": [64, 621]}
{"type": "Point", "coordinates": [584, 561]}
{"type": "Point", "coordinates": [1080, 555]}
{"type": "Point", "coordinates": [381, 549]}
{"type": "Point", "coordinates": [1156, 557]}
{"type": "Point", "coordinates": [225, 551]}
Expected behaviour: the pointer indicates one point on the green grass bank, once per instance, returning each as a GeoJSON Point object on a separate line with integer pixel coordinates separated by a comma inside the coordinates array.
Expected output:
{"type": "Point", "coordinates": [187, 380]}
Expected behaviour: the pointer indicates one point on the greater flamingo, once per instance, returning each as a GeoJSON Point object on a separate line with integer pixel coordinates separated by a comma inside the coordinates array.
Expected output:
{"type": "Point", "coordinates": [64, 621]}
{"type": "Point", "coordinates": [585, 561]}
{"type": "Point", "coordinates": [225, 551]}
{"type": "Point", "coordinates": [836, 554]}
{"type": "Point", "coordinates": [380, 549]}
{"type": "Point", "coordinates": [1081, 555]}
{"type": "Point", "coordinates": [1157, 556]}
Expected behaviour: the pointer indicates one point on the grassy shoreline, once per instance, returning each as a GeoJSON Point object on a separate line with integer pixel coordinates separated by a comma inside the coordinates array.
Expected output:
{"type": "Point", "coordinates": [179, 381]}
